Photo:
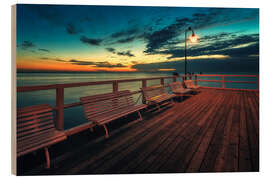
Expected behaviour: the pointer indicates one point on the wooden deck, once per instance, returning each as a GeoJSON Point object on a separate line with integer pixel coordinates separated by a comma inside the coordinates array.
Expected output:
{"type": "Point", "coordinates": [213, 131]}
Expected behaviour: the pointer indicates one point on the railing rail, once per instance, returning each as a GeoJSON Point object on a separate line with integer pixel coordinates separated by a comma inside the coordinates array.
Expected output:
{"type": "Point", "coordinates": [224, 81]}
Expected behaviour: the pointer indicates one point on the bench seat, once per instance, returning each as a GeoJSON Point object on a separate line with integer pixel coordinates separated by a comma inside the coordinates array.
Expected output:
{"type": "Point", "coordinates": [178, 89]}
{"type": "Point", "coordinates": [104, 108]}
{"type": "Point", "coordinates": [156, 95]}
{"type": "Point", "coordinates": [36, 130]}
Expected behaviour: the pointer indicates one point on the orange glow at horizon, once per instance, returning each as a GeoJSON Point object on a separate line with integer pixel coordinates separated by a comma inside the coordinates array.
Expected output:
{"type": "Point", "coordinates": [62, 66]}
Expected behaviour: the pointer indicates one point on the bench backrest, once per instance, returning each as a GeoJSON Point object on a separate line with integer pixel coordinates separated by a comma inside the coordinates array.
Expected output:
{"type": "Point", "coordinates": [33, 121]}
{"type": "Point", "coordinates": [189, 83]}
{"type": "Point", "coordinates": [176, 86]}
{"type": "Point", "coordinates": [153, 91]}
{"type": "Point", "coordinates": [97, 105]}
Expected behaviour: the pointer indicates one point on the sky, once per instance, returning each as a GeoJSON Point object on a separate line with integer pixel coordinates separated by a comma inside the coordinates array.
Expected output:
{"type": "Point", "coordinates": [136, 38]}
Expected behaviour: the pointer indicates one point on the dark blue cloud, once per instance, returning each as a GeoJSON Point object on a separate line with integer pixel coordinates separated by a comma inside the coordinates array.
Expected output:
{"type": "Point", "coordinates": [27, 45]}
{"type": "Point", "coordinates": [90, 41]}
{"type": "Point", "coordinates": [72, 29]}
{"type": "Point", "coordinates": [44, 50]}
{"type": "Point", "coordinates": [104, 64]}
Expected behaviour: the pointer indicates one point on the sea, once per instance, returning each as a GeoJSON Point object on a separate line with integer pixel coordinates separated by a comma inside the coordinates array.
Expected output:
{"type": "Point", "coordinates": [74, 116]}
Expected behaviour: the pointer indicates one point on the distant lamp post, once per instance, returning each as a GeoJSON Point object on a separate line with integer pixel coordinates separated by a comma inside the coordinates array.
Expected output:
{"type": "Point", "coordinates": [193, 38]}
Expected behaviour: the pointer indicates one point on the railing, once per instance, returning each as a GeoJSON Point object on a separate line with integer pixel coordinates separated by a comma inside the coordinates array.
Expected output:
{"type": "Point", "coordinates": [60, 88]}
{"type": "Point", "coordinates": [223, 81]}
{"type": "Point", "coordinates": [60, 106]}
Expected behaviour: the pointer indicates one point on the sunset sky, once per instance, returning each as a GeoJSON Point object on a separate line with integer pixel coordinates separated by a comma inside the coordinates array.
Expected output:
{"type": "Point", "coordinates": [115, 38]}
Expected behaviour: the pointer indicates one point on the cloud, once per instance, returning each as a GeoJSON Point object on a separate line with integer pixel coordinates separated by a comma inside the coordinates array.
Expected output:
{"type": "Point", "coordinates": [77, 62]}
{"type": "Point", "coordinates": [126, 40]}
{"type": "Point", "coordinates": [125, 33]}
{"type": "Point", "coordinates": [125, 36]}
{"type": "Point", "coordinates": [126, 53]}
{"type": "Point", "coordinates": [53, 59]}
{"type": "Point", "coordinates": [156, 40]}
{"type": "Point", "coordinates": [120, 53]}
{"type": "Point", "coordinates": [104, 64]}
{"type": "Point", "coordinates": [27, 44]}
{"type": "Point", "coordinates": [72, 29]}
{"type": "Point", "coordinates": [109, 65]}
{"type": "Point", "coordinates": [90, 41]}
{"type": "Point", "coordinates": [228, 44]}
{"type": "Point", "coordinates": [112, 50]}
{"type": "Point", "coordinates": [45, 50]}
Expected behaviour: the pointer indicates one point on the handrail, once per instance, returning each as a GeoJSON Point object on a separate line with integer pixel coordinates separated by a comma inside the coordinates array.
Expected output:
{"type": "Point", "coordinates": [69, 85]}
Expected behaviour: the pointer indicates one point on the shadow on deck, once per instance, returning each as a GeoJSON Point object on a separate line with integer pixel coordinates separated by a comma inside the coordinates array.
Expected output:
{"type": "Point", "coordinates": [213, 131]}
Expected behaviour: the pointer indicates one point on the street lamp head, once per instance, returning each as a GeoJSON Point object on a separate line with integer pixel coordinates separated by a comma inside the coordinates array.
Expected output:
{"type": "Point", "coordinates": [193, 38]}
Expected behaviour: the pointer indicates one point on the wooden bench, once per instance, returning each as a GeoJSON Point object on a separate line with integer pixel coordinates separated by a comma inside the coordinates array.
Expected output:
{"type": "Point", "coordinates": [189, 84]}
{"type": "Point", "coordinates": [178, 89]}
{"type": "Point", "coordinates": [36, 130]}
{"type": "Point", "coordinates": [104, 108]}
{"type": "Point", "coordinates": [156, 95]}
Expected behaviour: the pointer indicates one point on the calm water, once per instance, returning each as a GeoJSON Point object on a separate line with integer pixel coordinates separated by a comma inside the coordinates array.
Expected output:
{"type": "Point", "coordinates": [74, 116]}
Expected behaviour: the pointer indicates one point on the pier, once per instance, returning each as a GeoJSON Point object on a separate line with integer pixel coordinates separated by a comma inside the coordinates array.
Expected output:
{"type": "Point", "coordinates": [216, 130]}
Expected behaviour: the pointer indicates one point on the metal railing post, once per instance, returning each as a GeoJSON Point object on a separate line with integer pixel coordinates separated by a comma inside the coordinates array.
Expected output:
{"type": "Point", "coordinates": [162, 81]}
{"type": "Point", "coordinates": [115, 86]}
{"type": "Point", "coordinates": [258, 82]}
{"type": "Point", "coordinates": [144, 84]}
{"type": "Point", "coordinates": [174, 78]}
{"type": "Point", "coordinates": [223, 82]}
{"type": "Point", "coordinates": [196, 80]}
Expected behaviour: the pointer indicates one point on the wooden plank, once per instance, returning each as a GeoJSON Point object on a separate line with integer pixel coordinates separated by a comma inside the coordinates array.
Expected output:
{"type": "Point", "coordinates": [244, 152]}
{"type": "Point", "coordinates": [252, 137]}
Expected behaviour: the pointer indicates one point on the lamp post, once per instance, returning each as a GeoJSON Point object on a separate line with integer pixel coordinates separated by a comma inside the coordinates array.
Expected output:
{"type": "Point", "coordinates": [193, 38]}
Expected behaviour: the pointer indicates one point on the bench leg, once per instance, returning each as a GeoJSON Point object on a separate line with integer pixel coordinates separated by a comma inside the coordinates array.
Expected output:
{"type": "Point", "coordinates": [158, 107]}
{"type": "Point", "coordinates": [140, 115]}
{"type": "Point", "coordinates": [106, 131]}
{"type": "Point", "coordinates": [47, 158]}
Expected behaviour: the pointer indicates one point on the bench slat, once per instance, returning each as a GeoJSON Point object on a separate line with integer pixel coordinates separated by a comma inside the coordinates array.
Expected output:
{"type": "Point", "coordinates": [41, 139]}
{"type": "Point", "coordinates": [33, 116]}
{"type": "Point", "coordinates": [48, 118]}
{"type": "Point", "coordinates": [106, 117]}
{"type": "Point", "coordinates": [51, 142]}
